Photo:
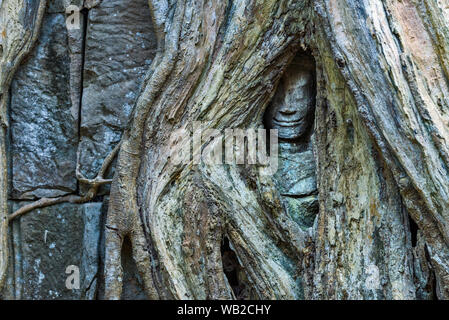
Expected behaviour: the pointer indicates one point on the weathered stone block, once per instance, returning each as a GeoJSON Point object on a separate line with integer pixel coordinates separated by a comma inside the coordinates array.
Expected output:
{"type": "Point", "coordinates": [296, 170]}
{"type": "Point", "coordinates": [46, 241]}
{"type": "Point", "coordinates": [44, 126]}
{"type": "Point", "coordinates": [120, 45]}
{"type": "Point", "coordinates": [59, 6]}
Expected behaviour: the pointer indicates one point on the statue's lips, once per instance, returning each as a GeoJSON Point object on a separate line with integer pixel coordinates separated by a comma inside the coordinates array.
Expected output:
{"type": "Point", "coordinates": [293, 123]}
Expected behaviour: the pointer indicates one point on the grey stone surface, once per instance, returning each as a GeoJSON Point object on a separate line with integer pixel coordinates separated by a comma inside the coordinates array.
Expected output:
{"type": "Point", "coordinates": [296, 180]}
{"type": "Point", "coordinates": [44, 126]}
{"type": "Point", "coordinates": [120, 45]}
{"type": "Point", "coordinates": [45, 104]}
{"type": "Point", "coordinates": [296, 169]}
{"type": "Point", "coordinates": [59, 6]}
{"type": "Point", "coordinates": [46, 241]}
{"type": "Point", "coordinates": [90, 259]}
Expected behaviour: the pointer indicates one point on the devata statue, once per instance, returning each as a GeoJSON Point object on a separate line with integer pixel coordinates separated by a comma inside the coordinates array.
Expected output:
{"type": "Point", "coordinates": [292, 113]}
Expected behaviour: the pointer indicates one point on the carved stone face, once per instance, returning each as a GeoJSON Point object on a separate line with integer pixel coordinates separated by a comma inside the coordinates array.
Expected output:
{"type": "Point", "coordinates": [292, 107]}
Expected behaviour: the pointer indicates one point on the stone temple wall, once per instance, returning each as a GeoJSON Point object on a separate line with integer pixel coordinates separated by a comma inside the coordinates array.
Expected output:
{"type": "Point", "coordinates": [71, 99]}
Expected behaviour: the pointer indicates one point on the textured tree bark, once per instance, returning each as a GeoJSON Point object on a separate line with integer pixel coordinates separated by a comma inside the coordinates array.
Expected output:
{"type": "Point", "coordinates": [382, 152]}
{"type": "Point", "coordinates": [380, 141]}
{"type": "Point", "coordinates": [392, 56]}
{"type": "Point", "coordinates": [218, 63]}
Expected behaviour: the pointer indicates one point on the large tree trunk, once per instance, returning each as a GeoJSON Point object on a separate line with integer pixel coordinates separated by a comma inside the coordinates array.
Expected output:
{"type": "Point", "coordinates": [218, 63]}
{"type": "Point", "coordinates": [383, 145]}
{"type": "Point", "coordinates": [381, 133]}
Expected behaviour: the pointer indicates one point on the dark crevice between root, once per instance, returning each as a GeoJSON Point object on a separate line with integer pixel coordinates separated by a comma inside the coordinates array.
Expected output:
{"type": "Point", "coordinates": [413, 232]}
{"type": "Point", "coordinates": [133, 287]}
{"type": "Point", "coordinates": [426, 285]}
{"type": "Point", "coordinates": [234, 272]}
